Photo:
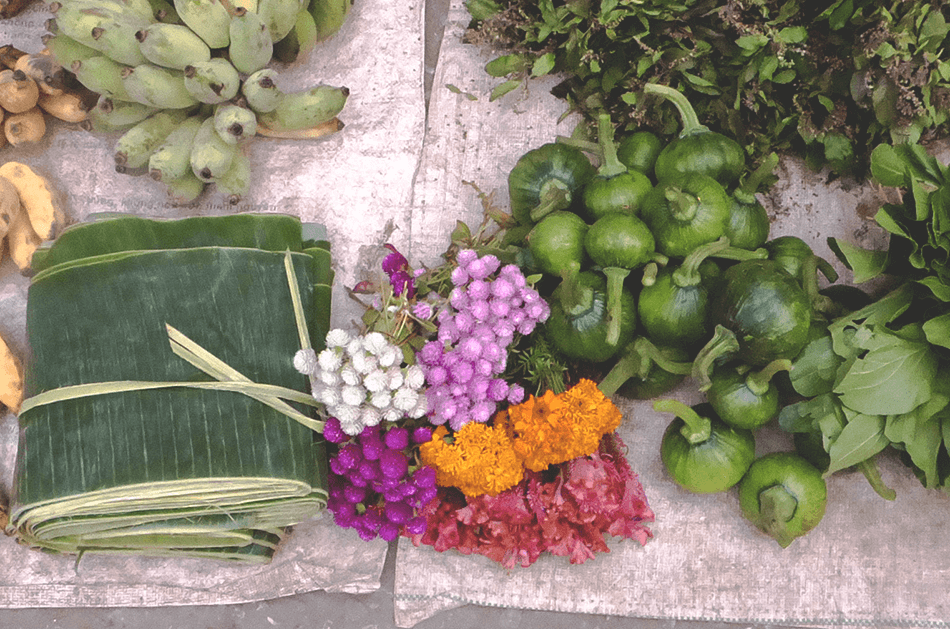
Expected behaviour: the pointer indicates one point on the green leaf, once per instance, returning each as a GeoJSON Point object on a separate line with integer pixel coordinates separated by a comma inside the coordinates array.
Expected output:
{"type": "Point", "coordinates": [861, 438]}
{"type": "Point", "coordinates": [767, 67]}
{"type": "Point", "coordinates": [543, 64]}
{"type": "Point", "coordinates": [784, 77]}
{"type": "Point", "coordinates": [937, 330]}
{"type": "Point", "coordinates": [816, 368]}
{"type": "Point", "coordinates": [792, 35]}
{"type": "Point", "coordinates": [888, 166]}
{"type": "Point", "coordinates": [895, 375]}
{"type": "Point", "coordinates": [809, 415]}
{"type": "Point", "coordinates": [865, 264]}
{"type": "Point", "coordinates": [752, 43]}
{"type": "Point", "coordinates": [503, 89]}
{"type": "Point", "coordinates": [456, 90]}
{"type": "Point", "coordinates": [506, 64]}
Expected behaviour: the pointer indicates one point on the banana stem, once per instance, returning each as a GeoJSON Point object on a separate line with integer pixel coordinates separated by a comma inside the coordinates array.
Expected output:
{"type": "Point", "coordinates": [691, 124]}
{"type": "Point", "coordinates": [615, 277]}
{"type": "Point", "coordinates": [696, 428]}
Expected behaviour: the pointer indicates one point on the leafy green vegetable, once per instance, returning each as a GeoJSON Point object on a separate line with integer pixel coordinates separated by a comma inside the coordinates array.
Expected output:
{"type": "Point", "coordinates": [828, 82]}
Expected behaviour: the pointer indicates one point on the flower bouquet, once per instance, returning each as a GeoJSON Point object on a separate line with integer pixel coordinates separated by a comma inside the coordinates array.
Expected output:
{"type": "Point", "coordinates": [452, 422]}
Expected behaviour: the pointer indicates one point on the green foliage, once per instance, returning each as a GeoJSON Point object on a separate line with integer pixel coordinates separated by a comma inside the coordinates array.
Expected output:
{"type": "Point", "coordinates": [826, 82]}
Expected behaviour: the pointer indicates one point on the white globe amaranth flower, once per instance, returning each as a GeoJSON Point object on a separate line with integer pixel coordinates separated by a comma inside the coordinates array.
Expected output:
{"type": "Point", "coordinates": [396, 378]}
{"type": "Point", "coordinates": [370, 416]}
{"type": "Point", "coordinates": [381, 399]}
{"type": "Point", "coordinates": [350, 376]}
{"type": "Point", "coordinates": [351, 424]}
{"type": "Point", "coordinates": [375, 343]}
{"type": "Point", "coordinates": [330, 359]}
{"type": "Point", "coordinates": [346, 413]}
{"type": "Point", "coordinates": [305, 361]}
{"type": "Point", "coordinates": [354, 347]}
{"type": "Point", "coordinates": [376, 381]}
{"type": "Point", "coordinates": [329, 378]}
{"type": "Point", "coordinates": [421, 408]}
{"type": "Point", "coordinates": [363, 363]}
{"type": "Point", "coordinates": [392, 414]}
{"type": "Point", "coordinates": [327, 395]}
{"type": "Point", "coordinates": [415, 377]}
{"type": "Point", "coordinates": [337, 337]}
{"type": "Point", "coordinates": [405, 399]}
{"type": "Point", "coordinates": [390, 356]}
{"type": "Point", "coordinates": [353, 395]}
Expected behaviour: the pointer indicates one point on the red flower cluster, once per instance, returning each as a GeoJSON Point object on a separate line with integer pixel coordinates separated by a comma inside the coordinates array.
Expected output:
{"type": "Point", "coordinates": [565, 510]}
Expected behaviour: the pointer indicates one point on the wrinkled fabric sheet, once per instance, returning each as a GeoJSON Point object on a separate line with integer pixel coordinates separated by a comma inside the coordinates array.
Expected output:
{"type": "Point", "coordinates": [870, 563]}
{"type": "Point", "coordinates": [357, 182]}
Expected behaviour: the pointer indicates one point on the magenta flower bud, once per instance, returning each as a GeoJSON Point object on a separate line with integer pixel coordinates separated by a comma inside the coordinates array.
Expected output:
{"type": "Point", "coordinates": [397, 438]}
{"type": "Point", "coordinates": [448, 332]}
{"type": "Point", "coordinates": [368, 470]}
{"type": "Point", "coordinates": [478, 389]}
{"type": "Point", "coordinates": [430, 354]}
{"type": "Point", "coordinates": [422, 310]}
{"type": "Point", "coordinates": [398, 512]}
{"type": "Point", "coordinates": [503, 289]}
{"type": "Point", "coordinates": [483, 411]}
{"type": "Point", "coordinates": [427, 494]}
{"type": "Point", "coordinates": [393, 464]}
{"type": "Point", "coordinates": [422, 434]}
{"type": "Point", "coordinates": [483, 366]}
{"type": "Point", "coordinates": [436, 375]}
{"type": "Point", "coordinates": [499, 308]}
{"type": "Point", "coordinates": [416, 526]}
{"type": "Point", "coordinates": [354, 494]}
{"type": "Point", "coordinates": [465, 322]}
{"type": "Point", "coordinates": [470, 349]}
{"type": "Point", "coordinates": [459, 276]}
{"type": "Point", "coordinates": [513, 274]}
{"type": "Point", "coordinates": [498, 389]}
{"type": "Point", "coordinates": [458, 298]}
{"type": "Point", "coordinates": [516, 394]}
{"type": "Point", "coordinates": [479, 289]}
{"type": "Point", "coordinates": [466, 257]}
{"type": "Point", "coordinates": [388, 531]}
{"type": "Point", "coordinates": [332, 431]}
{"type": "Point", "coordinates": [461, 372]}
{"type": "Point", "coordinates": [424, 477]}
{"type": "Point", "coordinates": [349, 456]}
{"type": "Point", "coordinates": [372, 448]}
{"type": "Point", "coordinates": [479, 309]}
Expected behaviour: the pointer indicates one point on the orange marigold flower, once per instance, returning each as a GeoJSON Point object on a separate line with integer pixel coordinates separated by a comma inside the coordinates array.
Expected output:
{"type": "Point", "coordinates": [479, 460]}
{"type": "Point", "coordinates": [554, 429]}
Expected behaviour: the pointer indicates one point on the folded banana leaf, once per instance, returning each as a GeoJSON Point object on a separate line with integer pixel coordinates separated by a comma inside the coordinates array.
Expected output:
{"type": "Point", "coordinates": [126, 446]}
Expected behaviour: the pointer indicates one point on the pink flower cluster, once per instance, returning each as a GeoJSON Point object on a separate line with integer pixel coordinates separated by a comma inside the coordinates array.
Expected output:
{"type": "Point", "coordinates": [567, 515]}
{"type": "Point", "coordinates": [488, 308]}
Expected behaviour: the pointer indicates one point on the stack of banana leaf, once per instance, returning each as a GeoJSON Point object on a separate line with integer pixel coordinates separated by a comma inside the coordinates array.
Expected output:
{"type": "Point", "coordinates": [165, 415]}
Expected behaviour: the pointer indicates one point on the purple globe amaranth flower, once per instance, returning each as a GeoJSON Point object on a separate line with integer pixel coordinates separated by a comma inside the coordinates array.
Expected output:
{"type": "Point", "coordinates": [397, 439]}
{"type": "Point", "coordinates": [422, 310]}
{"type": "Point", "coordinates": [398, 512]}
{"type": "Point", "coordinates": [422, 434]}
{"type": "Point", "coordinates": [388, 531]}
{"type": "Point", "coordinates": [402, 282]}
{"type": "Point", "coordinates": [424, 477]}
{"type": "Point", "coordinates": [332, 431]}
{"type": "Point", "coordinates": [466, 257]}
{"type": "Point", "coordinates": [396, 266]}
{"type": "Point", "coordinates": [354, 494]}
{"type": "Point", "coordinates": [416, 526]}
{"type": "Point", "coordinates": [393, 464]}
{"type": "Point", "coordinates": [479, 289]}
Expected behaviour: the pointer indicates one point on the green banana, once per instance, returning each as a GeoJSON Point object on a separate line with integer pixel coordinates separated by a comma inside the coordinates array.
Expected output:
{"type": "Point", "coordinates": [236, 182]}
{"type": "Point", "coordinates": [251, 45]}
{"type": "Point", "coordinates": [300, 41]}
{"type": "Point", "coordinates": [78, 20]}
{"type": "Point", "coordinates": [133, 148]}
{"type": "Point", "coordinates": [112, 115]}
{"type": "Point", "coordinates": [208, 18]}
{"type": "Point", "coordinates": [309, 108]}
{"type": "Point", "coordinates": [117, 41]}
{"type": "Point", "coordinates": [66, 50]}
{"type": "Point", "coordinates": [210, 155]}
{"type": "Point", "coordinates": [186, 189]}
{"type": "Point", "coordinates": [164, 11]}
{"type": "Point", "coordinates": [234, 123]}
{"type": "Point", "coordinates": [261, 91]}
{"type": "Point", "coordinates": [102, 75]}
{"type": "Point", "coordinates": [213, 81]}
{"type": "Point", "coordinates": [329, 16]}
{"type": "Point", "coordinates": [172, 45]}
{"type": "Point", "coordinates": [172, 159]}
{"type": "Point", "coordinates": [157, 87]}
{"type": "Point", "coordinates": [279, 16]}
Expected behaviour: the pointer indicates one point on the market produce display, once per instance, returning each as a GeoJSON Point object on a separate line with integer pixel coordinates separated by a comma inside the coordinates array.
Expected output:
{"type": "Point", "coordinates": [186, 84]}
{"type": "Point", "coordinates": [31, 212]}
{"type": "Point", "coordinates": [163, 415]}
{"type": "Point", "coordinates": [828, 81]}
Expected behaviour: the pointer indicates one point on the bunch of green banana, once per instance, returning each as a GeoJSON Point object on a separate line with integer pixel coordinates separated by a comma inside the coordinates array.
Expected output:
{"type": "Point", "coordinates": [187, 82]}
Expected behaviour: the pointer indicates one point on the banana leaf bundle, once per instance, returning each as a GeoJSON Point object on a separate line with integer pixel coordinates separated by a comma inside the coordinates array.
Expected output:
{"type": "Point", "coordinates": [165, 416]}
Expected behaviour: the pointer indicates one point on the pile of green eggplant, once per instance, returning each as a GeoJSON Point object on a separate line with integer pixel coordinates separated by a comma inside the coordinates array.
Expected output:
{"type": "Point", "coordinates": [658, 266]}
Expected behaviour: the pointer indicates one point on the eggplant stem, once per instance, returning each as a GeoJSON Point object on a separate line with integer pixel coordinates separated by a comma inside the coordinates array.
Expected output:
{"type": "Point", "coordinates": [611, 166]}
{"type": "Point", "coordinates": [649, 274]}
{"type": "Point", "coordinates": [683, 205]}
{"type": "Point", "coordinates": [758, 381]}
{"type": "Point", "coordinates": [696, 428]}
{"type": "Point", "coordinates": [630, 364]}
{"type": "Point", "coordinates": [555, 195]}
{"type": "Point", "coordinates": [776, 507]}
{"type": "Point", "coordinates": [584, 145]}
{"type": "Point", "coordinates": [690, 120]}
{"type": "Point", "coordinates": [687, 274]}
{"type": "Point", "coordinates": [615, 277]}
{"type": "Point", "coordinates": [722, 343]}
{"type": "Point", "coordinates": [754, 181]}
